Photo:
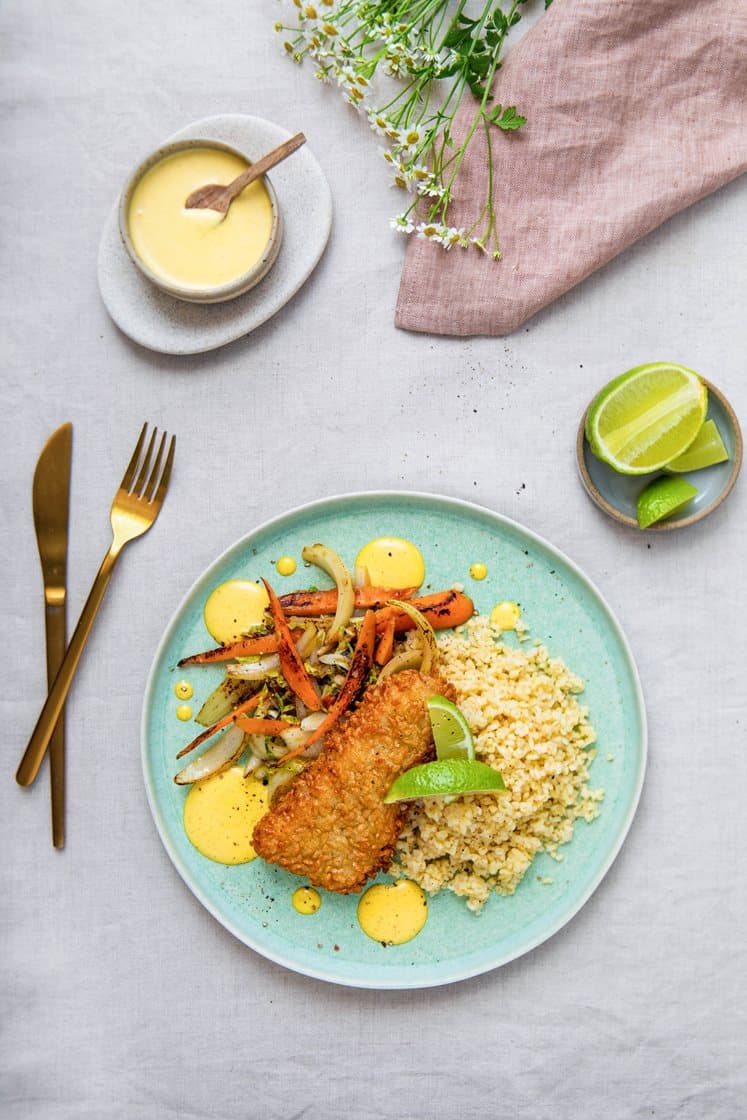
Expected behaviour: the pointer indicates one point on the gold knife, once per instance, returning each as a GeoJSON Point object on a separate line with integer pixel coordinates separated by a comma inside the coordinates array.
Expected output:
{"type": "Point", "coordinates": [51, 501]}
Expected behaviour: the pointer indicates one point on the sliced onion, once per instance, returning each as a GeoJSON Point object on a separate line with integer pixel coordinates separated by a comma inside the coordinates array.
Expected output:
{"type": "Point", "coordinates": [312, 721]}
{"type": "Point", "coordinates": [216, 758]}
{"type": "Point", "coordinates": [408, 659]}
{"type": "Point", "coordinates": [294, 737]}
{"type": "Point", "coordinates": [221, 701]}
{"type": "Point", "coordinates": [306, 643]}
{"type": "Point", "coordinates": [283, 776]}
{"type": "Point", "coordinates": [258, 746]}
{"type": "Point", "coordinates": [328, 560]}
{"type": "Point", "coordinates": [254, 670]}
{"type": "Point", "coordinates": [361, 578]}
{"type": "Point", "coordinates": [339, 659]}
{"type": "Point", "coordinates": [430, 646]}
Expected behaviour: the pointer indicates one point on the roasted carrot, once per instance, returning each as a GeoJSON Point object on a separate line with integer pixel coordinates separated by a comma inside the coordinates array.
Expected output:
{"type": "Point", "coordinates": [291, 665]}
{"type": "Point", "coordinates": [244, 647]}
{"type": "Point", "coordinates": [353, 683]}
{"type": "Point", "coordinates": [247, 706]}
{"type": "Point", "coordinates": [444, 609]}
{"type": "Point", "coordinates": [385, 644]}
{"type": "Point", "coordinates": [262, 726]}
{"type": "Point", "coordinates": [310, 604]}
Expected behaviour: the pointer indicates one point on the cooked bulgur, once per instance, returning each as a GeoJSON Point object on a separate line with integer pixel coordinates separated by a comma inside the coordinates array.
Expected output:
{"type": "Point", "coordinates": [527, 722]}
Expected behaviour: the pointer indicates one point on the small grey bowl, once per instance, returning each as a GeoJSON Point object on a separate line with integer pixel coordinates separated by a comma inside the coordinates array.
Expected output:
{"type": "Point", "coordinates": [215, 294]}
{"type": "Point", "coordinates": [617, 494]}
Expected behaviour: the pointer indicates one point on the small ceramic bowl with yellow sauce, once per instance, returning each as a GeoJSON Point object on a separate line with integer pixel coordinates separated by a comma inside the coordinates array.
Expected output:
{"type": "Point", "coordinates": [200, 256]}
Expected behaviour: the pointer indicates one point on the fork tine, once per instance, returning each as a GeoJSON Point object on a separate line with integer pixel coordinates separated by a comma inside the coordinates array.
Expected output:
{"type": "Point", "coordinates": [145, 468]}
{"type": "Point", "coordinates": [150, 486]}
{"type": "Point", "coordinates": [132, 465]}
{"type": "Point", "coordinates": [163, 484]}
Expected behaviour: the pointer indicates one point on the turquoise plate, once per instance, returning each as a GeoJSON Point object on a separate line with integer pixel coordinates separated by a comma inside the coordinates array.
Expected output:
{"type": "Point", "coordinates": [561, 608]}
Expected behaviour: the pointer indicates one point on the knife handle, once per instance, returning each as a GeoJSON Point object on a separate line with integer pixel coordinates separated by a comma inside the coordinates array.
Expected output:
{"type": "Point", "coordinates": [50, 713]}
{"type": "Point", "coordinates": [55, 627]}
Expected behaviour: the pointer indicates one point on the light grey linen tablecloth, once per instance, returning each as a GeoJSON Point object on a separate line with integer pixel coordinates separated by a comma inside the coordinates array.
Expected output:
{"type": "Point", "coordinates": [120, 996]}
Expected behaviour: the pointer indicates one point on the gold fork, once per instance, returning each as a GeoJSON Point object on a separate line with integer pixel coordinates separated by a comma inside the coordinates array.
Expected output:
{"type": "Point", "coordinates": [136, 506]}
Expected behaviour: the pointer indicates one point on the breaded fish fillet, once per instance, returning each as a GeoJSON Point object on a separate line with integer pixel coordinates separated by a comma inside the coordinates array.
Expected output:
{"type": "Point", "coordinates": [332, 826]}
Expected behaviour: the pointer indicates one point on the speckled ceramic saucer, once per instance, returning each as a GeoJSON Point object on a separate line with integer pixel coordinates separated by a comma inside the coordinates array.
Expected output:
{"type": "Point", "coordinates": [170, 326]}
{"type": "Point", "coordinates": [617, 494]}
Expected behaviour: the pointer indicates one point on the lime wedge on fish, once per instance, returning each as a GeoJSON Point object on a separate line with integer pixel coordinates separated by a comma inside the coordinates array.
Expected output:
{"type": "Point", "coordinates": [446, 777]}
{"type": "Point", "coordinates": [663, 497]}
{"type": "Point", "coordinates": [451, 732]}
{"type": "Point", "coordinates": [645, 418]}
{"type": "Point", "coordinates": [706, 450]}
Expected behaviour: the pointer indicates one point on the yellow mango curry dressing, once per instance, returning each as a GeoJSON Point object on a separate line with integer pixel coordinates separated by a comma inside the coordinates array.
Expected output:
{"type": "Point", "coordinates": [198, 248]}
{"type": "Point", "coordinates": [392, 562]}
{"type": "Point", "coordinates": [234, 607]}
{"type": "Point", "coordinates": [220, 813]}
{"type": "Point", "coordinates": [306, 900]}
{"type": "Point", "coordinates": [393, 913]}
{"type": "Point", "coordinates": [506, 615]}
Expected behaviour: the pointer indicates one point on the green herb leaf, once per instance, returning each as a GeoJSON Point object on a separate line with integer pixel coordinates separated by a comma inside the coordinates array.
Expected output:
{"type": "Point", "coordinates": [508, 120]}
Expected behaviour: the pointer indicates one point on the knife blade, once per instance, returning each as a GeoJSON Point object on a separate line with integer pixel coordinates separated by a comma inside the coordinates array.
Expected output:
{"type": "Point", "coordinates": [51, 503]}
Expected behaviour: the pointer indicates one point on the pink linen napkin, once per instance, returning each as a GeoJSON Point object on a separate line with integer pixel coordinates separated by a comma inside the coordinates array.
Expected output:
{"type": "Point", "coordinates": [636, 109]}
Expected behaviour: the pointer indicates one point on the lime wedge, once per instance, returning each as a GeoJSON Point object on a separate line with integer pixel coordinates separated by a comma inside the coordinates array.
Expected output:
{"type": "Point", "coordinates": [451, 732]}
{"type": "Point", "coordinates": [443, 778]}
{"type": "Point", "coordinates": [663, 497]}
{"type": "Point", "coordinates": [706, 450]}
{"type": "Point", "coordinates": [645, 418]}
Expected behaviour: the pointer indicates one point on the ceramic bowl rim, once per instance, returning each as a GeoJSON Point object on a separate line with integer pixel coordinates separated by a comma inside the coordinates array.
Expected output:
{"type": "Point", "coordinates": [676, 523]}
{"type": "Point", "coordinates": [217, 293]}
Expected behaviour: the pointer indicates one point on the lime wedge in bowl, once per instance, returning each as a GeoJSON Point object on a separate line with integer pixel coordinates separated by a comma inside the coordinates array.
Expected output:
{"type": "Point", "coordinates": [643, 419]}
{"type": "Point", "coordinates": [706, 450]}
{"type": "Point", "coordinates": [663, 497]}
{"type": "Point", "coordinates": [447, 777]}
{"type": "Point", "coordinates": [451, 732]}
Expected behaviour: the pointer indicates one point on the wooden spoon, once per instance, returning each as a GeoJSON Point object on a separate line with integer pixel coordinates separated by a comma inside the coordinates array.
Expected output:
{"type": "Point", "coordinates": [217, 196]}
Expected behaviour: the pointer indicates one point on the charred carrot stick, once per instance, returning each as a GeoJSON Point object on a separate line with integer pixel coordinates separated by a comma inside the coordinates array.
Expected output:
{"type": "Point", "coordinates": [385, 644]}
{"type": "Point", "coordinates": [309, 604]}
{"type": "Point", "coordinates": [443, 609]}
{"type": "Point", "coordinates": [244, 647]}
{"type": "Point", "coordinates": [291, 665]}
{"type": "Point", "coordinates": [247, 706]}
{"type": "Point", "coordinates": [354, 681]}
{"type": "Point", "coordinates": [262, 726]}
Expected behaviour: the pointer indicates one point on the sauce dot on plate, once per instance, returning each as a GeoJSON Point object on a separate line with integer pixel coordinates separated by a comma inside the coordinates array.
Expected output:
{"type": "Point", "coordinates": [220, 813]}
{"type": "Point", "coordinates": [183, 690]}
{"type": "Point", "coordinates": [286, 566]}
{"type": "Point", "coordinates": [306, 900]}
{"type": "Point", "coordinates": [184, 712]}
{"type": "Point", "coordinates": [393, 913]}
{"type": "Point", "coordinates": [478, 571]}
{"type": "Point", "coordinates": [392, 562]}
{"type": "Point", "coordinates": [505, 615]}
{"type": "Point", "coordinates": [234, 607]}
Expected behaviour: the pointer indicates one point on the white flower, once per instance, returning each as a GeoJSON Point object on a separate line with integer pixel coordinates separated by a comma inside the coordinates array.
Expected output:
{"type": "Point", "coordinates": [429, 231]}
{"type": "Point", "coordinates": [378, 122]}
{"type": "Point", "coordinates": [402, 223]}
{"type": "Point", "coordinates": [431, 188]}
{"type": "Point", "coordinates": [391, 159]}
{"type": "Point", "coordinates": [451, 236]}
